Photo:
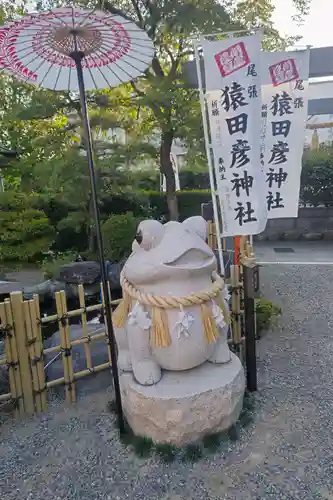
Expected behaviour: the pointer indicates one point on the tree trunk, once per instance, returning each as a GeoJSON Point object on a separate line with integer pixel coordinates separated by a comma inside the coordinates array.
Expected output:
{"type": "Point", "coordinates": [167, 170]}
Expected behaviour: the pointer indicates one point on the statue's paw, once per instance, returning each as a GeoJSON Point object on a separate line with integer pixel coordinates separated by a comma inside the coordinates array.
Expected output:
{"type": "Point", "coordinates": [124, 361]}
{"type": "Point", "coordinates": [147, 372]}
{"type": "Point", "coordinates": [221, 354]}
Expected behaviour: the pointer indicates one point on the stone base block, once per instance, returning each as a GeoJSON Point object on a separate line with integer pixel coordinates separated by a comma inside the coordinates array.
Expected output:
{"type": "Point", "coordinates": [185, 406]}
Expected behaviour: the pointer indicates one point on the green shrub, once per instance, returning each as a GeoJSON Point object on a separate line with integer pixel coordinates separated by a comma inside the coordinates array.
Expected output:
{"type": "Point", "coordinates": [266, 314]}
{"type": "Point", "coordinates": [317, 178]}
{"type": "Point", "coordinates": [118, 234]}
{"type": "Point", "coordinates": [189, 203]}
{"type": "Point", "coordinates": [50, 266]}
{"type": "Point", "coordinates": [25, 231]}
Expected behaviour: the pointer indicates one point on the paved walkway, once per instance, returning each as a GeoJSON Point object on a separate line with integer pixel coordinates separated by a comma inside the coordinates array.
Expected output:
{"type": "Point", "coordinates": [74, 453]}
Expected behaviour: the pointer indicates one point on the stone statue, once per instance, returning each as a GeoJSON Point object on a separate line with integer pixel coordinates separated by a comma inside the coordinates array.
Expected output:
{"type": "Point", "coordinates": [173, 316]}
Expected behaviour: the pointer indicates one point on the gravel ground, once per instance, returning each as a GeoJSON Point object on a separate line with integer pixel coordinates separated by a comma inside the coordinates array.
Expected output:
{"type": "Point", "coordinates": [74, 453]}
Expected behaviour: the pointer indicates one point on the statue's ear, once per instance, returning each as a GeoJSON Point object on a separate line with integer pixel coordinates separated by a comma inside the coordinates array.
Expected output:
{"type": "Point", "coordinates": [198, 225]}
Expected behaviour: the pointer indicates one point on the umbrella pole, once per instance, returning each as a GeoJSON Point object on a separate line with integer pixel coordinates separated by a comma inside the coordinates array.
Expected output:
{"type": "Point", "coordinates": [77, 57]}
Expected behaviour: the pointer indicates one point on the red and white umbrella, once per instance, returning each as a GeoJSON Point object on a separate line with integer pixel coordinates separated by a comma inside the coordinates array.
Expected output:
{"type": "Point", "coordinates": [72, 49]}
{"type": "Point", "coordinates": [37, 48]}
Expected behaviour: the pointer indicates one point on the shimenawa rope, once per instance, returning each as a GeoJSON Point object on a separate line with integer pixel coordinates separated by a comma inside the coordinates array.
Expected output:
{"type": "Point", "coordinates": [160, 335]}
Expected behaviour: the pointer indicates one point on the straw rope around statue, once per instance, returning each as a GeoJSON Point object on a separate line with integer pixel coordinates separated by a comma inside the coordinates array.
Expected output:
{"type": "Point", "coordinates": [160, 335]}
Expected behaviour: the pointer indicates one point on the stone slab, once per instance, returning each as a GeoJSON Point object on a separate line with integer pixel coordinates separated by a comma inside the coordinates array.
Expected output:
{"type": "Point", "coordinates": [185, 406]}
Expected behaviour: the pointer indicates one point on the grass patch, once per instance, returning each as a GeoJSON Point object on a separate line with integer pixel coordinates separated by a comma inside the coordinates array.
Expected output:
{"type": "Point", "coordinates": [192, 453]}
{"type": "Point", "coordinates": [142, 446]}
{"type": "Point", "coordinates": [212, 442]}
{"type": "Point", "coordinates": [267, 314]}
{"type": "Point", "coordinates": [167, 452]}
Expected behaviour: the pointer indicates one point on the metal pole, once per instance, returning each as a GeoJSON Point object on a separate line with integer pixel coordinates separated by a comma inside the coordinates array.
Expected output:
{"type": "Point", "coordinates": [209, 158]}
{"type": "Point", "coordinates": [250, 329]}
{"type": "Point", "coordinates": [77, 57]}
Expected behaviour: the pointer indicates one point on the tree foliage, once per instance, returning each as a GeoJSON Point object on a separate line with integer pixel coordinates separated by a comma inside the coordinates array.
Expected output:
{"type": "Point", "coordinates": [46, 127]}
{"type": "Point", "coordinates": [25, 230]}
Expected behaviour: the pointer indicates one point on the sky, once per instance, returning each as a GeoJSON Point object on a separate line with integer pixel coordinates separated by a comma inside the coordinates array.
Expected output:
{"type": "Point", "coordinates": [317, 29]}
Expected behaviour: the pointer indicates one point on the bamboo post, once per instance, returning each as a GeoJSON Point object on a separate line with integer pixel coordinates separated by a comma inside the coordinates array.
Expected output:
{"type": "Point", "coordinates": [106, 333]}
{"type": "Point", "coordinates": [11, 363]}
{"type": "Point", "coordinates": [16, 299]}
{"type": "Point", "coordinates": [32, 354]}
{"type": "Point", "coordinates": [68, 347]}
{"type": "Point", "coordinates": [39, 348]}
{"type": "Point", "coordinates": [14, 357]}
{"type": "Point", "coordinates": [63, 345]}
{"type": "Point", "coordinates": [250, 326]}
{"type": "Point", "coordinates": [235, 305]}
{"type": "Point", "coordinates": [87, 349]}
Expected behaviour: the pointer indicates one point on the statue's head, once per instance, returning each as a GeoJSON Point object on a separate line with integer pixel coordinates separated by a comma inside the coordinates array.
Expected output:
{"type": "Point", "coordinates": [172, 250]}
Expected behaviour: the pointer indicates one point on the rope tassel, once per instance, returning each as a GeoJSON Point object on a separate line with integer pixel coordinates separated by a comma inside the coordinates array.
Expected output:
{"type": "Point", "coordinates": [120, 315]}
{"type": "Point", "coordinates": [160, 335]}
{"type": "Point", "coordinates": [210, 328]}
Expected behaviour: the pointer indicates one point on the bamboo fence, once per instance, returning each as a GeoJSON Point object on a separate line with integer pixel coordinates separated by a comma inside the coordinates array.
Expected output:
{"type": "Point", "coordinates": [21, 327]}
{"type": "Point", "coordinates": [236, 287]}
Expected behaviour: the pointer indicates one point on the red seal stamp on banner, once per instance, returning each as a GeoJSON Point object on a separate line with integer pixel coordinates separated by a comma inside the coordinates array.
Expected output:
{"type": "Point", "coordinates": [283, 72]}
{"type": "Point", "coordinates": [232, 59]}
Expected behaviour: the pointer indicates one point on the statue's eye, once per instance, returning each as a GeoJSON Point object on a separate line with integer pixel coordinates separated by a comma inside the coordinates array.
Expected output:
{"type": "Point", "coordinates": [139, 237]}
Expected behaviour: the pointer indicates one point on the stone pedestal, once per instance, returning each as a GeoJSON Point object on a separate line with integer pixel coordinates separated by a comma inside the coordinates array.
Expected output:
{"type": "Point", "coordinates": [185, 406]}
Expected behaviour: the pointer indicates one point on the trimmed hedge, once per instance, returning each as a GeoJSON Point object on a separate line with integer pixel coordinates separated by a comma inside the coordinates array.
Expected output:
{"type": "Point", "coordinates": [317, 178]}
{"type": "Point", "coordinates": [25, 230]}
{"type": "Point", "coordinates": [189, 203]}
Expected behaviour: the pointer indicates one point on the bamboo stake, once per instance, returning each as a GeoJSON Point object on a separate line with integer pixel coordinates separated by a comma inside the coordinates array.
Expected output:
{"type": "Point", "coordinates": [78, 375]}
{"type": "Point", "coordinates": [23, 353]}
{"type": "Point", "coordinates": [39, 347]}
{"type": "Point", "coordinates": [235, 304]}
{"type": "Point", "coordinates": [86, 345]}
{"type": "Point", "coordinates": [106, 335]}
{"type": "Point", "coordinates": [68, 347]}
{"type": "Point", "coordinates": [94, 337]}
{"type": "Point", "coordinates": [8, 359]}
{"type": "Point", "coordinates": [63, 347]}
{"type": "Point", "coordinates": [106, 332]}
{"type": "Point", "coordinates": [18, 393]}
{"type": "Point", "coordinates": [78, 312]}
{"type": "Point", "coordinates": [32, 356]}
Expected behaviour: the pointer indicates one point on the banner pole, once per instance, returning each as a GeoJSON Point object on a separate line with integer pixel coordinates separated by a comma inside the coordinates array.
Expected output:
{"type": "Point", "coordinates": [209, 157]}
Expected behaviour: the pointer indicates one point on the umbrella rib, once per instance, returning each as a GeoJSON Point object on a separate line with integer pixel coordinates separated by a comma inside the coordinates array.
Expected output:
{"type": "Point", "coordinates": [111, 48]}
{"type": "Point", "coordinates": [46, 74]}
{"type": "Point", "coordinates": [39, 18]}
{"type": "Point", "coordinates": [69, 78]}
{"type": "Point", "coordinates": [101, 72]}
{"type": "Point", "coordinates": [59, 18]}
{"type": "Point", "coordinates": [73, 21]}
{"type": "Point", "coordinates": [57, 79]}
{"type": "Point", "coordinates": [124, 70]}
{"type": "Point", "coordinates": [104, 27]}
{"type": "Point", "coordinates": [85, 18]}
{"type": "Point", "coordinates": [133, 57]}
{"type": "Point", "coordinates": [92, 77]}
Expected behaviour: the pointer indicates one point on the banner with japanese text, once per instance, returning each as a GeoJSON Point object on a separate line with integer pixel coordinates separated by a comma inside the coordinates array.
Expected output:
{"type": "Point", "coordinates": [233, 98]}
{"type": "Point", "coordinates": [284, 91]}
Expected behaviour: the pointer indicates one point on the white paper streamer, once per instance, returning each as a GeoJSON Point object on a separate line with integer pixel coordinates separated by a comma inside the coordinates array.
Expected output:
{"type": "Point", "coordinates": [184, 323]}
{"type": "Point", "coordinates": [138, 316]}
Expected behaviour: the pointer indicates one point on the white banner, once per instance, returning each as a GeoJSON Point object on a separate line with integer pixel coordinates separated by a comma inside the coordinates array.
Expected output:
{"type": "Point", "coordinates": [284, 112]}
{"type": "Point", "coordinates": [234, 107]}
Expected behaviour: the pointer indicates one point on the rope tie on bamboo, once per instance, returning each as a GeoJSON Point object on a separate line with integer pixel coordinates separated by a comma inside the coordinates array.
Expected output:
{"type": "Point", "coordinates": [160, 335]}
